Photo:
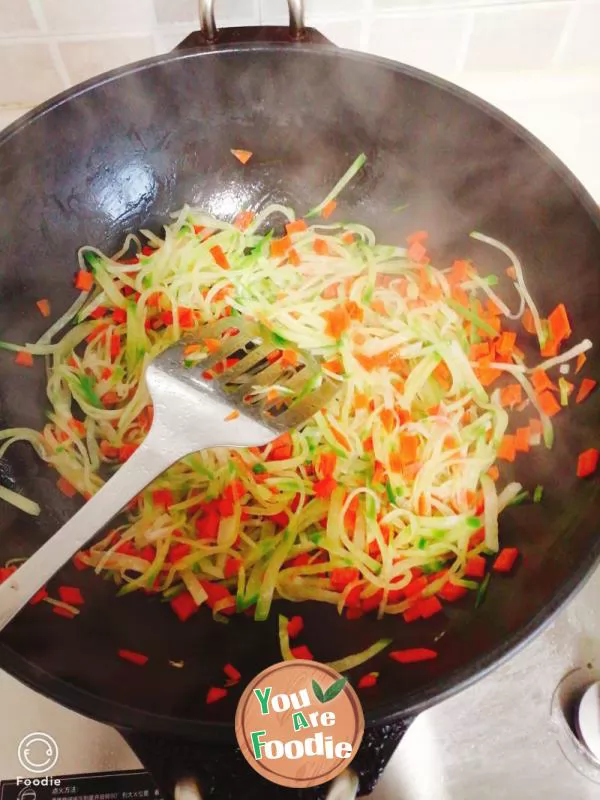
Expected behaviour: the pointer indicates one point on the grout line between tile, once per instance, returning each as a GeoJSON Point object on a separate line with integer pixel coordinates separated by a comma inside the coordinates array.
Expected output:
{"type": "Point", "coordinates": [566, 32]}
{"type": "Point", "coordinates": [57, 59]}
{"type": "Point", "coordinates": [366, 25]}
{"type": "Point", "coordinates": [463, 50]}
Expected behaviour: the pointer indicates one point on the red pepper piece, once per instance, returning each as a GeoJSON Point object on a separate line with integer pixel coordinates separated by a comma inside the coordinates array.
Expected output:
{"type": "Point", "coordinates": [184, 605]}
{"type": "Point", "coordinates": [71, 595]}
{"type": "Point", "coordinates": [295, 626]}
{"type": "Point", "coordinates": [413, 655]}
{"type": "Point", "coordinates": [135, 658]}
{"type": "Point", "coordinates": [215, 694]}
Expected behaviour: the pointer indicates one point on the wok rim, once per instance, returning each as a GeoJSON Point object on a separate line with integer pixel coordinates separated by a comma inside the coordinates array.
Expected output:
{"type": "Point", "coordinates": [121, 716]}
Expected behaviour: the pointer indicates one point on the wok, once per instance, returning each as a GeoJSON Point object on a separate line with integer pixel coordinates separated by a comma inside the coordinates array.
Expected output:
{"type": "Point", "coordinates": [123, 150]}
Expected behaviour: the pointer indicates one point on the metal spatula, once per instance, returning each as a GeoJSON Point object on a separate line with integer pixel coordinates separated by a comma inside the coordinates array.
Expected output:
{"type": "Point", "coordinates": [217, 402]}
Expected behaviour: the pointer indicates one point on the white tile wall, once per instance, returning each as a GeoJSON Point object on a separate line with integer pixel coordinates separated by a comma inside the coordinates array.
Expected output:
{"type": "Point", "coordinates": [47, 45]}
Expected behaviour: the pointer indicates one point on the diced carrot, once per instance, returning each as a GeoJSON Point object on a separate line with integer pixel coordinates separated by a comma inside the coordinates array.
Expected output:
{"type": "Point", "coordinates": [560, 326]}
{"type": "Point", "coordinates": [512, 273]}
{"type": "Point", "coordinates": [479, 350]}
{"type": "Point", "coordinates": [511, 395]}
{"type": "Point", "coordinates": [328, 209]}
{"type": "Point", "coordinates": [44, 307]}
{"type": "Point", "coordinates": [279, 247]}
{"type": "Point", "coordinates": [342, 576]}
{"type": "Point", "coordinates": [536, 427]}
{"type": "Point", "coordinates": [84, 280]}
{"type": "Point", "coordinates": [451, 592]}
{"type": "Point", "coordinates": [506, 343]}
{"type": "Point", "coordinates": [24, 359]}
{"type": "Point", "coordinates": [289, 358]}
{"type": "Point", "coordinates": [409, 448]}
{"type": "Point", "coordinates": [337, 321]}
{"type": "Point", "coordinates": [413, 655]}
{"type": "Point", "coordinates": [418, 237]}
{"type": "Point", "coordinates": [541, 381]}
{"type": "Point", "coordinates": [184, 605]}
{"type": "Point", "coordinates": [522, 438]}
{"type": "Point", "coordinates": [587, 387]}
{"type": "Point", "coordinates": [587, 463]}
{"type": "Point", "coordinates": [296, 226]}
{"type": "Point", "coordinates": [243, 220]}
{"type": "Point", "coordinates": [295, 626]}
{"type": "Point", "coordinates": [528, 322]}
{"type": "Point", "coordinates": [416, 252]}
{"type": "Point", "coordinates": [219, 257]}
{"type": "Point", "coordinates": [126, 451]}
{"type": "Point", "coordinates": [326, 464]}
{"type": "Point", "coordinates": [550, 348]}
{"type": "Point", "coordinates": [186, 318]}
{"type": "Point", "coordinates": [242, 155]}
{"type": "Point", "coordinates": [65, 487]}
{"type": "Point", "coordinates": [367, 681]}
{"type": "Point", "coordinates": [507, 449]}
{"type": "Point", "coordinates": [302, 652]}
{"type": "Point", "coordinates": [494, 472]}
{"type": "Point", "coordinates": [348, 238]}
{"type": "Point", "coordinates": [135, 658]}
{"type": "Point", "coordinates": [71, 595]}
{"type": "Point", "coordinates": [232, 673]}
{"type": "Point", "coordinates": [334, 365]}
{"type": "Point", "coordinates": [388, 419]}
{"type": "Point", "coordinates": [324, 488]}
{"type": "Point", "coordinates": [119, 316]}
{"type": "Point", "coordinates": [581, 359]}
{"type": "Point", "coordinates": [548, 403]}
{"type": "Point", "coordinates": [429, 606]}
{"type": "Point", "coordinates": [505, 560]}
{"type": "Point", "coordinates": [320, 247]}
{"type": "Point", "coordinates": [475, 567]}
{"type": "Point", "coordinates": [293, 257]}
{"type": "Point", "coordinates": [215, 693]}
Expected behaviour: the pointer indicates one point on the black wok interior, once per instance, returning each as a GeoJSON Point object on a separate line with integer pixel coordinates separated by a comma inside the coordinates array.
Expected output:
{"type": "Point", "coordinates": [123, 151]}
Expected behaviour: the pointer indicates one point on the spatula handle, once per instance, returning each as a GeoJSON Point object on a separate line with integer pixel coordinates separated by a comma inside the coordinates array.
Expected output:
{"type": "Point", "coordinates": [157, 452]}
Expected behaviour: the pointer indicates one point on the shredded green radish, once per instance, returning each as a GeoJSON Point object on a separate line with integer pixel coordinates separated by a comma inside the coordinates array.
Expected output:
{"type": "Point", "coordinates": [377, 503]}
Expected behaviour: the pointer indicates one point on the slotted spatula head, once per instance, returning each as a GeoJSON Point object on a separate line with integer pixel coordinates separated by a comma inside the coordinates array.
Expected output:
{"type": "Point", "coordinates": [242, 388]}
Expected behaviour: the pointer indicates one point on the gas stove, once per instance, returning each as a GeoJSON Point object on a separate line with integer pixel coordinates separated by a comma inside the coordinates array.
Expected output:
{"type": "Point", "coordinates": [506, 733]}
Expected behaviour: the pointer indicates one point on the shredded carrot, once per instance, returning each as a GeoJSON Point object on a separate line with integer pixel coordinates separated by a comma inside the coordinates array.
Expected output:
{"type": "Point", "coordinates": [581, 359]}
{"type": "Point", "coordinates": [24, 359]}
{"type": "Point", "coordinates": [326, 464]}
{"type": "Point", "coordinates": [587, 387]}
{"type": "Point", "coordinates": [416, 252]}
{"type": "Point", "coordinates": [242, 155]}
{"type": "Point", "coordinates": [44, 307]}
{"type": "Point", "coordinates": [234, 415]}
{"type": "Point", "coordinates": [334, 365]}
{"type": "Point", "coordinates": [548, 403]}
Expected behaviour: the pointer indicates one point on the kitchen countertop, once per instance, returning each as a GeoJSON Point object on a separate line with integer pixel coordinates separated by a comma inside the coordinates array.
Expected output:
{"type": "Point", "coordinates": [494, 739]}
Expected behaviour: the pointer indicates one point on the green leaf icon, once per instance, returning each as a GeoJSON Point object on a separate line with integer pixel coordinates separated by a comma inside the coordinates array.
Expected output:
{"type": "Point", "coordinates": [335, 688]}
{"type": "Point", "coordinates": [318, 692]}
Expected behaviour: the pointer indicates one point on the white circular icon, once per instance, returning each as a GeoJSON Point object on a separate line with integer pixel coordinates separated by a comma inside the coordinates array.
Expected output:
{"type": "Point", "coordinates": [37, 752]}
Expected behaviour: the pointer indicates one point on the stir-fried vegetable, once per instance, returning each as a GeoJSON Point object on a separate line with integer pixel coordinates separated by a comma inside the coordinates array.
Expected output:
{"type": "Point", "coordinates": [384, 501]}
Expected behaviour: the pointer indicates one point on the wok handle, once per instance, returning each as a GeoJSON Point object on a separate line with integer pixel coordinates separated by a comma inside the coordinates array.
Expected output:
{"type": "Point", "coordinates": [208, 26]}
{"type": "Point", "coordinates": [189, 770]}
